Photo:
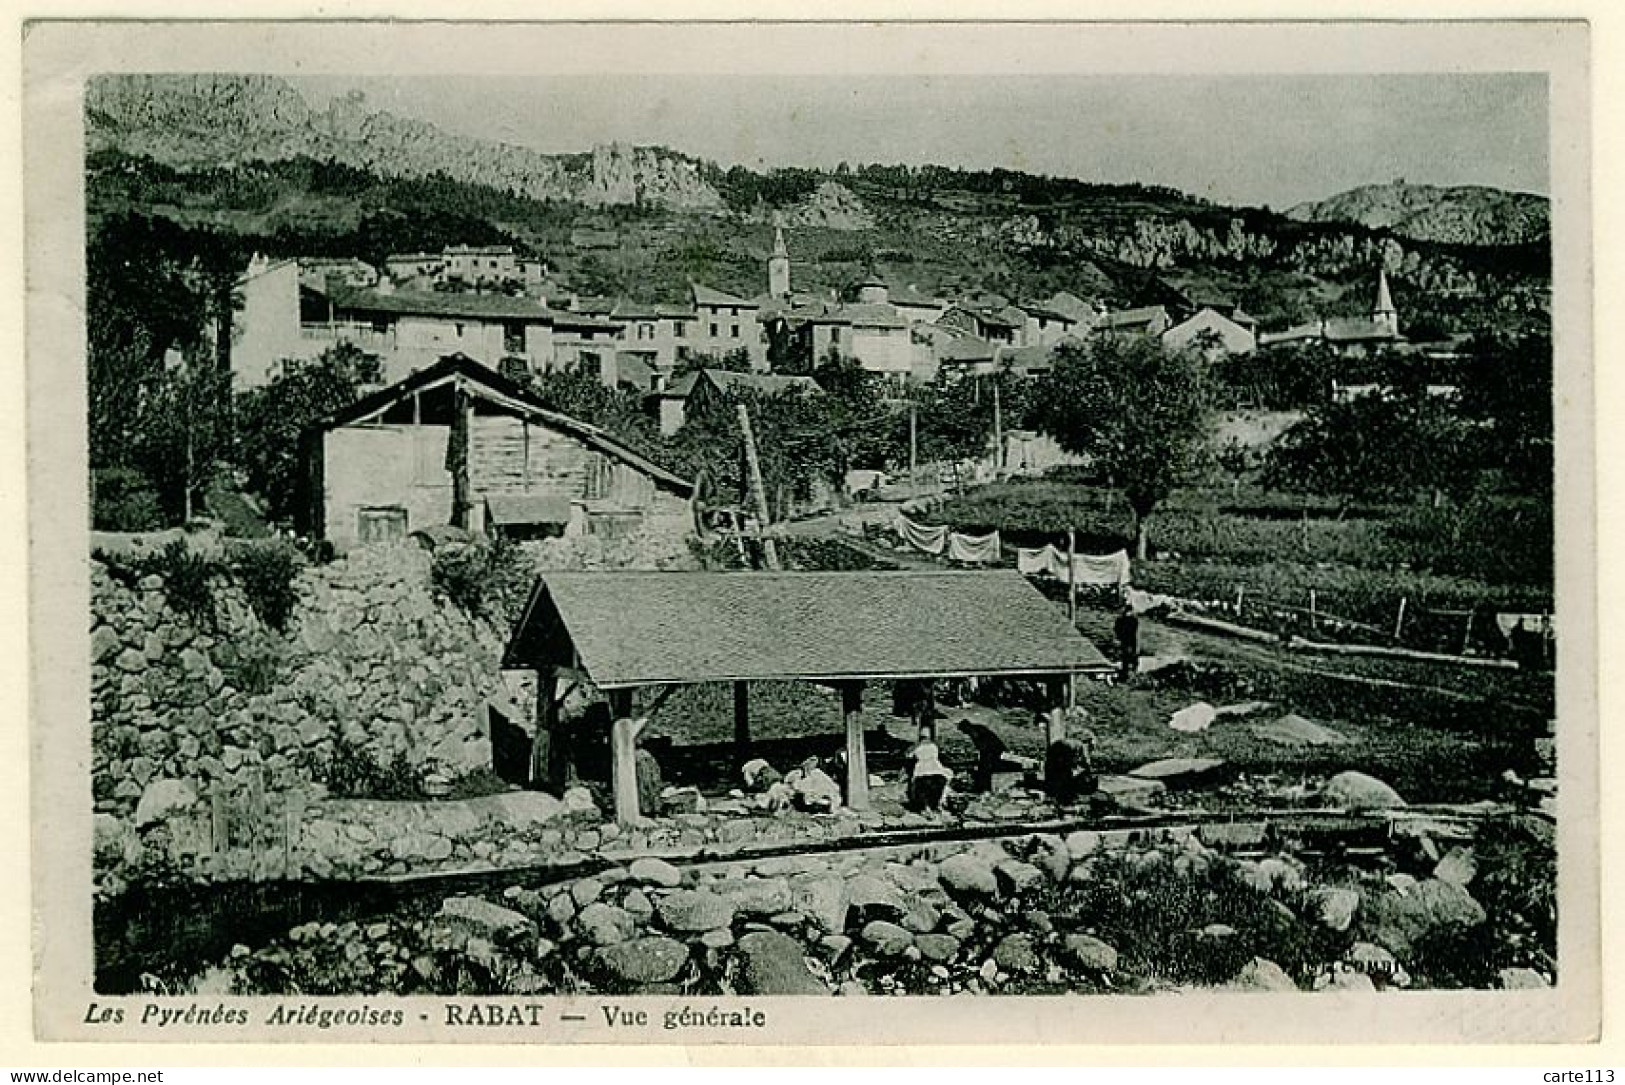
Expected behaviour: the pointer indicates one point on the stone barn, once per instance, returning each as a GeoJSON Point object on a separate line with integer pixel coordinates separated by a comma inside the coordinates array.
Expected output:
{"type": "Point", "coordinates": [459, 444]}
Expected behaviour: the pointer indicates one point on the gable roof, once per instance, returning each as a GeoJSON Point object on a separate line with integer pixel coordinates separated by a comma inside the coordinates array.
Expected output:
{"type": "Point", "coordinates": [496, 388]}
{"type": "Point", "coordinates": [468, 306]}
{"type": "Point", "coordinates": [1131, 318]}
{"type": "Point", "coordinates": [768, 384]}
{"type": "Point", "coordinates": [967, 349]}
{"type": "Point", "coordinates": [634, 628]}
{"type": "Point", "coordinates": [704, 295]}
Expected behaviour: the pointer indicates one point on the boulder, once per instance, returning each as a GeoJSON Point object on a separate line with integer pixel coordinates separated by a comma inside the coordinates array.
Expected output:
{"type": "Point", "coordinates": [1016, 954]}
{"type": "Point", "coordinates": [1398, 919]}
{"type": "Point", "coordinates": [1520, 979]}
{"type": "Point", "coordinates": [1181, 772]}
{"type": "Point", "coordinates": [1335, 907]}
{"type": "Point", "coordinates": [1090, 953]}
{"type": "Point", "coordinates": [1349, 981]}
{"type": "Point", "coordinates": [1082, 844]}
{"type": "Point", "coordinates": [652, 871]}
{"type": "Point", "coordinates": [1016, 877]}
{"type": "Point", "coordinates": [754, 896]}
{"type": "Point", "coordinates": [586, 890]}
{"type": "Point", "coordinates": [1261, 974]}
{"type": "Point", "coordinates": [578, 800]}
{"type": "Point", "coordinates": [772, 964]}
{"type": "Point", "coordinates": [1129, 790]}
{"type": "Point", "coordinates": [887, 938]}
{"type": "Point", "coordinates": [874, 897]}
{"type": "Point", "coordinates": [969, 872]}
{"type": "Point", "coordinates": [940, 948]}
{"type": "Point", "coordinates": [1196, 717]}
{"type": "Point", "coordinates": [822, 898]}
{"type": "Point", "coordinates": [1458, 867]}
{"type": "Point", "coordinates": [605, 924]}
{"type": "Point", "coordinates": [695, 911]}
{"type": "Point", "coordinates": [495, 924]}
{"type": "Point", "coordinates": [644, 960]}
{"type": "Point", "coordinates": [921, 916]}
{"type": "Point", "coordinates": [1357, 791]}
{"type": "Point", "coordinates": [161, 798]}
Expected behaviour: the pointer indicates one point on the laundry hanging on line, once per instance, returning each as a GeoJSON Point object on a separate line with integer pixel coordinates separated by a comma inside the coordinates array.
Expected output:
{"type": "Point", "coordinates": [1110, 569]}
{"type": "Point", "coordinates": [932, 540]}
{"type": "Point", "coordinates": [974, 549]}
{"type": "Point", "coordinates": [1534, 623]}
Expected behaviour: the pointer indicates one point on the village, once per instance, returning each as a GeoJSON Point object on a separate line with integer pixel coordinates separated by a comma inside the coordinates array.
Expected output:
{"type": "Point", "coordinates": [934, 755]}
{"type": "Point", "coordinates": [519, 572]}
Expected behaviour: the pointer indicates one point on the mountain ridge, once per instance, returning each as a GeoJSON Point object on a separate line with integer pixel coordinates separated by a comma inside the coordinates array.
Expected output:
{"type": "Point", "coordinates": [1453, 214]}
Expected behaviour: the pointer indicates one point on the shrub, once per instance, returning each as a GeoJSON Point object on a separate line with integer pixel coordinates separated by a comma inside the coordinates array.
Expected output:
{"type": "Point", "coordinates": [266, 572]}
{"type": "Point", "coordinates": [486, 579]}
{"type": "Point", "coordinates": [124, 500]}
{"type": "Point", "coordinates": [186, 576]}
{"type": "Point", "coordinates": [354, 772]}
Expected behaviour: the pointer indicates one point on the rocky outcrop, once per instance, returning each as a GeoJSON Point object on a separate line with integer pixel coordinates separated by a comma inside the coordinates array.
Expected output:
{"type": "Point", "coordinates": [221, 120]}
{"type": "Point", "coordinates": [1464, 215]}
{"type": "Point", "coordinates": [830, 206]}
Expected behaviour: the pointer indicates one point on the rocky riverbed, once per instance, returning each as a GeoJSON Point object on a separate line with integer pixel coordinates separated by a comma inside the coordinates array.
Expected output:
{"type": "Point", "coordinates": [1028, 914]}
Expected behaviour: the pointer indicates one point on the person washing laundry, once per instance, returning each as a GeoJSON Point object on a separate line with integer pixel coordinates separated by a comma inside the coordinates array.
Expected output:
{"type": "Point", "coordinates": [928, 779]}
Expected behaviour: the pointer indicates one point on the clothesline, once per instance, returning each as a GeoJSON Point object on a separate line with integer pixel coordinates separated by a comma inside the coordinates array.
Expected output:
{"type": "Point", "coordinates": [938, 540]}
{"type": "Point", "coordinates": [1110, 569]}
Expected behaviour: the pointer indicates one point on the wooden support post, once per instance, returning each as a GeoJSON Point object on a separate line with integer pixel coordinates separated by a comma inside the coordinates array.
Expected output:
{"type": "Point", "coordinates": [770, 549]}
{"type": "Point", "coordinates": [857, 760]}
{"type": "Point", "coordinates": [550, 749]}
{"type": "Point", "coordinates": [913, 447]}
{"type": "Point", "coordinates": [623, 744]}
{"type": "Point", "coordinates": [1071, 577]}
{"type": "Point", "coordinates": [1055, 718]}
{"type": "Point", "coordinates": [741, 722]}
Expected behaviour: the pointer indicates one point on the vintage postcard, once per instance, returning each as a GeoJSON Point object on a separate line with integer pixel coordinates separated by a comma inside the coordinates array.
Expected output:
{"type": "Point", "coordinates": [764, 533]}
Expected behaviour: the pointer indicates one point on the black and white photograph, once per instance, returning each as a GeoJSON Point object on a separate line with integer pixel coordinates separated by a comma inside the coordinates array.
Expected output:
{"type": "Point", "coordinates": [563, 549]}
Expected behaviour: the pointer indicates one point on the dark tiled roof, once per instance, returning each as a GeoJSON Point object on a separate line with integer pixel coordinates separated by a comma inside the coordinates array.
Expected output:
{"type": "Point", "coordinates": [1129, 318]}
{"type": "Point", "coordinates": [635, 629]}
{"type": "Point", "coordinates": [524, 398]}
{"type": "Point", "coordinates": [967, 349]}
{"type": "Point", "coordinates": [872, 315]}
{"type": "Point", "coordinates": [468, 306]}
{"type": "Point", "coordinates": [704, 295]}
{"type": "Point", "coordinates": [767, 384]}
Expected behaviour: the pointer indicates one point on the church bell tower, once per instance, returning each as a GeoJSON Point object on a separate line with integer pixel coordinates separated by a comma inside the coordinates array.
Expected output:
{"type": "Point", "coordinates": [778, 267]}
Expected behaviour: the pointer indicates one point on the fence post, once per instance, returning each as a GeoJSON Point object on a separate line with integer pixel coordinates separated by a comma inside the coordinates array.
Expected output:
{"type": "Point", "coordinates": [1467, 633]}
{"type": "Point", "coordinates": [1314, 618]}
{"type": "Point", "coordinates": [1241, 591]}
{"type": "Point", "coordinates": [1399, 621]}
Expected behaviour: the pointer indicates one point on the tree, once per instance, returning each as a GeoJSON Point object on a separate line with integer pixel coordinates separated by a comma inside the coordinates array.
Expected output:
{"type": "Point", "coordinates": [273, 420]}
{"type": "Point", "coordinates": [1138, 411]}
{"type": "Point", "coordinates": [1380, 446]}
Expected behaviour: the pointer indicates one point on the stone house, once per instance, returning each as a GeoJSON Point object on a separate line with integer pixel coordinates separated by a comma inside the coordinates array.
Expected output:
{"type": "Point", "coordinates": [457, 443]}
{"type": "Point", "coordinates": [1211, 332]}
{"type": "Point", "coordinates": [409, 330]}
{"type": "Point", "coordinates": [723, 323]}
{"type": "Point", "coordinates": [698, 387]}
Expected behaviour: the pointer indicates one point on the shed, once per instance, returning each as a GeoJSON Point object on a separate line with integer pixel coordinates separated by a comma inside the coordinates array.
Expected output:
{"type": "Point", "coordinates": [623, 630]}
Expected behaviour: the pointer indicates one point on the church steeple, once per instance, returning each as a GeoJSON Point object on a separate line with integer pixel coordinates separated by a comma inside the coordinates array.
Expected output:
{"type": "Point", "coordinates": [1383, 313]}
{"type": "Point", "coordinates": [778, 267]}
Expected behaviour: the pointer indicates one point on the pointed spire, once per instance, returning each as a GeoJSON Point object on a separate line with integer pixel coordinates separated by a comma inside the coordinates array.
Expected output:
{"type": "Point", "coordinates": [1385, 303]}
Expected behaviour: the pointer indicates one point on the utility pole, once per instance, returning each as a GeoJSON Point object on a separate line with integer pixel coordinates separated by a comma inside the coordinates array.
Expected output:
{"type": "Point", "coordinates": [913, 444]}
{"type": "Point", "coordinates": [770, 550]}
{"type": "Point", "coordinates": [998, 430]}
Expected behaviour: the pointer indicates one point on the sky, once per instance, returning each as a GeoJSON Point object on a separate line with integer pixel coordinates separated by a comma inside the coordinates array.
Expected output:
{"type": "Point", "coordinates": [1242, 140]}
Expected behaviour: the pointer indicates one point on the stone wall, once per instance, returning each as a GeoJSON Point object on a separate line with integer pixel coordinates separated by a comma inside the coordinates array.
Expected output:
{"type": "Point", "coordinates": [372, 662]}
